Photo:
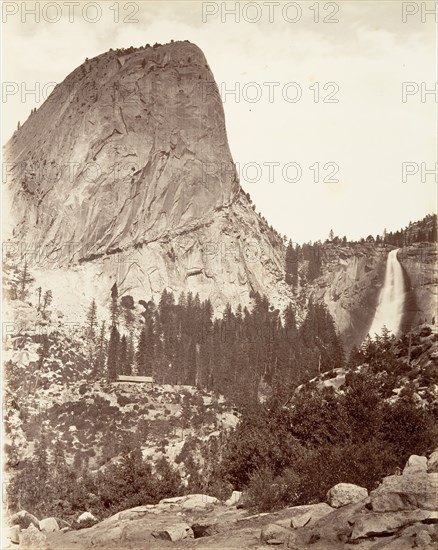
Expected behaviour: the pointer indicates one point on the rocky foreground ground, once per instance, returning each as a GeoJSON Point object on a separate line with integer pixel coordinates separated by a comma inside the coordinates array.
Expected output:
{"type": "Point", "coordinates": [400, 514]}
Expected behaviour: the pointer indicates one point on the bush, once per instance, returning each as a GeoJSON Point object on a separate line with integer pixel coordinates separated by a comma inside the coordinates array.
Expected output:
{"type": "Point", "coordinates": [267, 492]}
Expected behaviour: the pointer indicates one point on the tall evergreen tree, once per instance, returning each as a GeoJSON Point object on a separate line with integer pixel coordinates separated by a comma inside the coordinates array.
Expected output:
{"type": "Point", "coordinates": [113, 355]}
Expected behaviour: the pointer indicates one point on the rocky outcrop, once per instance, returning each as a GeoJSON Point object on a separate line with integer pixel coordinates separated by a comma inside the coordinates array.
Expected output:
{"type": "Point", "coordinates": [125, 175]}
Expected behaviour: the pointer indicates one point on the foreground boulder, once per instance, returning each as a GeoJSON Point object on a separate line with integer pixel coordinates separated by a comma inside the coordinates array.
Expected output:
{"type": "Point", "coordinates": [345, 493]}
{"type": "Point", "coordinates": [377, 524]}
{"type": "Point", "coordinates": [406, 492]}
{"type": "Point", "coordinates": [24, 519]}
{"type": "Point", "coordinates": [49, 525]}
{"type": "Point", "coordinates": [32, 538]}
{"type": "Point", "coordinates": [176, 532]}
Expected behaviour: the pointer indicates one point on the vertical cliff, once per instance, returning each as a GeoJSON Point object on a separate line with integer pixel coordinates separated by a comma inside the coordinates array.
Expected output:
{"type": "Point", "coordinates": [125, 175]}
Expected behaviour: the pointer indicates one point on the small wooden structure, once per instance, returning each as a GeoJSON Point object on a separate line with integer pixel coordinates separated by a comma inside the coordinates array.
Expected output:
{"type": "Point", "coordinates": [140, 379]}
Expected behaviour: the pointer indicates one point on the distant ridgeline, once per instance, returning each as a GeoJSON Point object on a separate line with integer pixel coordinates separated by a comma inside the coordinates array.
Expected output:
{"type": "Point", "coordinates": [423, 231]}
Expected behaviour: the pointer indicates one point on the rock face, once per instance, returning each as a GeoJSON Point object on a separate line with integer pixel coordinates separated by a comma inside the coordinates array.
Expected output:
{"type": "Point", "coordinates": [350, 286]}
{"type": "Point", "coordinates": [353, 277]}
{"type": "Point", "coordinates": [419, 262]}
{"type": "Point", "coordinates": [345, 493]}
{"type": "Point", "coordinates": [125, 170]}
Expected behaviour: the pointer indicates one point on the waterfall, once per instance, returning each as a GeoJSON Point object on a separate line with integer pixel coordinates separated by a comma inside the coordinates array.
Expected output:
{"type": "Point", "coordinates": [389, 311]}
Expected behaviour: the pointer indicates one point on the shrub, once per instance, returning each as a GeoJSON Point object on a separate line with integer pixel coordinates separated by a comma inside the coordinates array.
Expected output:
{"type": "Point", "coordinates": [267, 492]}
{"type": "Point", "coordinates": [122, 400]}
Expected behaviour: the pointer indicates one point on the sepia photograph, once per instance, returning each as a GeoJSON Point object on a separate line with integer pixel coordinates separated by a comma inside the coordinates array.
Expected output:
{"type": "Point", "coordinates": [220, 277]}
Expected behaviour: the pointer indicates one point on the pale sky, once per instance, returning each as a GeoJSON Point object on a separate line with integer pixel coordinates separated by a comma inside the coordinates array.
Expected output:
{"type": "Point", "coordinates": [366, 56]}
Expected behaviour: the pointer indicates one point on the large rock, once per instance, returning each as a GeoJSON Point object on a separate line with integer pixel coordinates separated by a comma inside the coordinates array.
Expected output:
{"type": "Point", "coordinates": [49, 525]}
{"type": "Point", "coordinates": [308, 514]}
{"type": "Point", "coordinates": [86, 516]}
{"type": "Point", "coordinates": [377, 524]}
{"type": "Point", "coordinates": [33, 539]}
{"type": "Point", "coordinates": [406, 492]}
{"type": "Point", "coordinates": [275, 534]}
{"type": "Point", "coordinates": [175, 532]}
{"type": "Point", "coordinates": [24, 519]}
{"type": "Point", "coordinates": [234, 499]}
{"type": "Point", "coordinates": [345, 493]}
{"type": "Point", "coordinates": [13, 534]}
{"type": "Point", "coordinates": [415, 464]}
{"type": "Point", "coordinates": [432, 463]}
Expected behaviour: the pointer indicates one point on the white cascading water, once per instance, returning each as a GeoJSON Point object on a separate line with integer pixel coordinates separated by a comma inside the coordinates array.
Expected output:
{"type": "Point", "coordinates": [389, 311]}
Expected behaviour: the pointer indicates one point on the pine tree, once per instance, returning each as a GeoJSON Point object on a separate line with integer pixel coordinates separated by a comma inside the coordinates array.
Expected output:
{"type": "Point", "coordinates": [24, 281]}
{"type": "Point", "coordinates": [99, 363]}
{"type": "Point", "coordinates": [113, 355]}
{"type": "Point", "coordinates": [47, 300]}
{"type": "Point", "coordinates": [92, 320]}
{"type": "Point", "coordinates": [114, 305]}
{"type": "Point", "coordinates": [123, 366]}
